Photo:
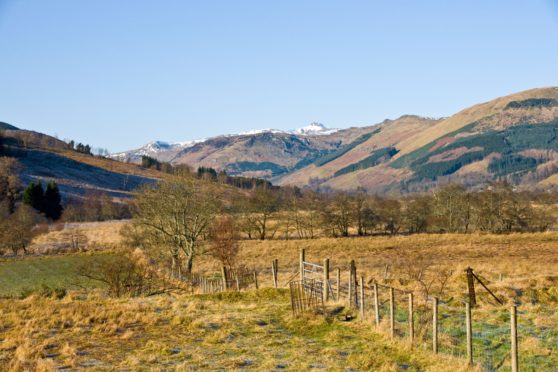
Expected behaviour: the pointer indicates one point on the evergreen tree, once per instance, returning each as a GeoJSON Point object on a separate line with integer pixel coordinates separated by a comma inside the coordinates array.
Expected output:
{"type": "Point", "coordinates": [34, 195]}
{"type": "Point", "coordinates": [52, 204]}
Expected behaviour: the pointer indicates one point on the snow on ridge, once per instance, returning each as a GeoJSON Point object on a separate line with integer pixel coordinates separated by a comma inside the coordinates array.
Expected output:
{"type": "Point", "coordinates": [256, 131]}
{"type": "Point", "coordinates": [155, 147]}
{"type": "Point", "coordinates": [314, 128]}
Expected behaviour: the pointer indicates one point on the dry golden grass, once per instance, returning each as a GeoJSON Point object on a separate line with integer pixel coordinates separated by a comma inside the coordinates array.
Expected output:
{"type": "Point", "coordinates": [252, 330]}
{"type": "Point", "coordinates": [510, 264]}
{"type": "Point", "coordinates": [100, 235]}
{"type": "Point", "coordinates": [516, 266]}
{"type": "Point", "coordinates": [255, 330]}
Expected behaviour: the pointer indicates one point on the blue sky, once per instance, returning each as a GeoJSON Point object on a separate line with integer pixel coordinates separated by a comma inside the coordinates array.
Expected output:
{"type": "Point", "coordinates": [118, 74]}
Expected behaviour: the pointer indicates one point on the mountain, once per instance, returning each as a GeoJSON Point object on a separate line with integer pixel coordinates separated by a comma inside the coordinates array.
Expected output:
{"type": "Point", "coordinates": [266, 153]}
{"type": "Point", "coordinates": [513, 138]}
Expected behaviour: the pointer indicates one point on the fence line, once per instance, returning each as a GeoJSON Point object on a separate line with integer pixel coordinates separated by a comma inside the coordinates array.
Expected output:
{"type": "Point", "coordinates": [449, 327]}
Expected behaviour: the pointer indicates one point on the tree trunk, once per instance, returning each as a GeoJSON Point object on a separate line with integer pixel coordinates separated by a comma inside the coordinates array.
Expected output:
{"type": "Point", "coordinates": [189, 263]}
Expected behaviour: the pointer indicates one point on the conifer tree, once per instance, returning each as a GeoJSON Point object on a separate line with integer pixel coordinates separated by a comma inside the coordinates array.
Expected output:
{"type": "Point", "coordinates": [52, 203]}
{"type": "Point", "coordinates": [34, 195]}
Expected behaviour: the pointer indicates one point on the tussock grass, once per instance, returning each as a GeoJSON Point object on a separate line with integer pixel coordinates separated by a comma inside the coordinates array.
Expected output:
{"type": "Point", "coordinates": [253, 330]}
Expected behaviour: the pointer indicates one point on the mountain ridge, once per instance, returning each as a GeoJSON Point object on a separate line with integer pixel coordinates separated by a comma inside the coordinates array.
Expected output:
{"type": "Point", "coordinates": [512, 138]}
{"type": "Point", "coordinates": [491, 140]}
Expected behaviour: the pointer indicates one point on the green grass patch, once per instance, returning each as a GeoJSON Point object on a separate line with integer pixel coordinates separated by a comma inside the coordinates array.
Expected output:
{"type": "Point", "coordinates": [23, 275]}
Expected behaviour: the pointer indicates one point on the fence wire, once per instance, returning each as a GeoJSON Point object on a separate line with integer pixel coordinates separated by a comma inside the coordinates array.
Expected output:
{"type": "Point", "coordinates": [452, 333]}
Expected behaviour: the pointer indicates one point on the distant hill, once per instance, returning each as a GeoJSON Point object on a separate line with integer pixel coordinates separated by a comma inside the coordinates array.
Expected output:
{"type": "Point", "coordinates": [267, 153]}
{"type": "Point", "coordinates": [513, 138]}
{"type": "Point", "coordinates": [4, 126]}
{"type": "Point", "coordinates": [46, 158]}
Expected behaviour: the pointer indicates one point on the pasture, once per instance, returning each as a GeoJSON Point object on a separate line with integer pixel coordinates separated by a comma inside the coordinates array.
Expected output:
{"type": "Point", "coordinates": [255, 329]}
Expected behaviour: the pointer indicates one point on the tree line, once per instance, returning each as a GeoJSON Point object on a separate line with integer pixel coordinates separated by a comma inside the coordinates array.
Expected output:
{"type": "Point", "coordinates": [182, 218]}
{"type": "Point", "coordinates": [205, 173]}
{"type": "Point", "coordinates": [292, 213]}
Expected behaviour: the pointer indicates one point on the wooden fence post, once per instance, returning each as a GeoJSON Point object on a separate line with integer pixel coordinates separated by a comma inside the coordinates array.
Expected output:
{"type": "Point", "coordinates": [354, 284]}
{"type": "Point", "coordinates": [514, 353]}
{"type": "Point", "coordinates": [376, 305]}
{"type": "Point", "coordinates": [411, 320]}
{"type": "Point", "coordinates": [349, 297]}
{"type": "Point", "coordinates": [392, 311]}
{"type": "Point", "coordinates": [302, 258]}
{"type": "Point", "coordinates": [361, 297]}
{"type": "Point", "coordinates": [471, 286]}
{"type": "Point", "coordinates": [224, 274]}
{"type": "Point", "coordinates": [435, 325]}
{"type": "Point", "coordinates": [274, 271]}
{"type": "Point", "coordinates": [237, 283]}
{"type": "Point", "coordinates": [338, 289]}
{"type": "Point", "coordinates": [469, 325]}
{"type": "Point", "coordinates": [256, 279]}
{"type": "Point", "coordinates": [326, 280]}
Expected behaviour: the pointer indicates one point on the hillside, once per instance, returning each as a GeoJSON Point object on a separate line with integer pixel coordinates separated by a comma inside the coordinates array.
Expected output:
{"type": "Point", "coordinates": [6, 126]}
{"type": "Point", "coordinates": [46, 158]}
{"type": "Point", "coordinates": [512, 138]}
{"type": "Point", "coordinates": [265, 153]}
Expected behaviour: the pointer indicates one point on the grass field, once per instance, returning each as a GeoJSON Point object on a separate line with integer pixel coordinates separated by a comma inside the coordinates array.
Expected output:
{"type": "Point", "coordinates": [252, 330]}
{"type": "Point", "coordinates": [255, 330]}
{"type": "Point", "coordinates": [20, 276]}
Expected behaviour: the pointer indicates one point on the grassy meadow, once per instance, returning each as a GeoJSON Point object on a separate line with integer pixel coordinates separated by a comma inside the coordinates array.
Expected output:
{"type": "Point", "coordinates": [256, 330]}
{"type": "Point", "coordinates": [22, 276]}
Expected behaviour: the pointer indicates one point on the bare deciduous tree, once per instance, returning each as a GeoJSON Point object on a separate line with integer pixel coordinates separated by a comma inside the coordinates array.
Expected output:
{"type": "Point", "coordinates": [174, 216]}
{"type": "Point", "coordinates": [223, 241]}
{"type": "Point", "coordinates": [17, 230]}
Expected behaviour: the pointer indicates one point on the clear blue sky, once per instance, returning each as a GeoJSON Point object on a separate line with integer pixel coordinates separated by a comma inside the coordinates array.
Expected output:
{"type": "Point", "coordinates": [118, 74]}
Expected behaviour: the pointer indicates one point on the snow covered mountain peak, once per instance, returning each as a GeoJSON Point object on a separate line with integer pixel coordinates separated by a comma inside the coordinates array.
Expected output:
{"type": "Point", "coordinates": [314, 128]}
{"type": "Point", "coordinates": [167, 150]}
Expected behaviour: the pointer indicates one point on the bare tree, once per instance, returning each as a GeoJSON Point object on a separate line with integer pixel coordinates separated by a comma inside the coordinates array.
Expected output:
{"type": "Point", "coordinates": [452, 208]}
{"type": "Point", "coordinates": [223, 241]}
{"type": "Point", "coordinates": [174, 216]}
{"type": "Point", "coordinates": [261, 206]}
{"type": "Point", "coordinates": [389, 214]}
{"type": "Point", "coordinates": [417, 214]}
{"type": "Point", "coordinates": [18, 230]}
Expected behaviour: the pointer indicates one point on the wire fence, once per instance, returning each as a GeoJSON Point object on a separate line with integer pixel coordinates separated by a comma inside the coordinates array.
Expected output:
{"type": "Point", "coordinates": [433, 324]}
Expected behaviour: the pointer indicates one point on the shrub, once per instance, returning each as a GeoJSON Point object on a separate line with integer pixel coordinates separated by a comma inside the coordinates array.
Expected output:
{"type": "Point", "coordinates": [121, 274]}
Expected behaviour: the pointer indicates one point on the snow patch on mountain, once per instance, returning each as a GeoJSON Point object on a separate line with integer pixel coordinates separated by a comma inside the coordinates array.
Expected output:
{"type": "Point", "coordinates": [256, 131]}
{"type": "Point", "coordinates": [314, 128]}
{"type": "Point", "coordinates": [161, 147]}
